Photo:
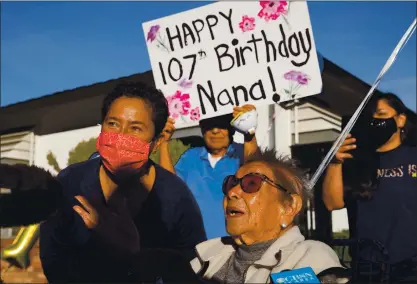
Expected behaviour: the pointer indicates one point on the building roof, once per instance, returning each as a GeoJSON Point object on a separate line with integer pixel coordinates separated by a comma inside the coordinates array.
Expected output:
{"type": "Point", "coordinates": [62, 111]}
{"type": "Point", "coordinates": [342, 92]}
{"type": "Point", "coordinates": [81, 107]}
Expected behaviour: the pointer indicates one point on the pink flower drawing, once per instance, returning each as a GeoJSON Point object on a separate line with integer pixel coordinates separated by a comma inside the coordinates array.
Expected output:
{"type": "Point", "coordinates": [152, 33]}
{"type": "Point", "coordinates": [195, 113]}
{"type": "Point", "coordinates": [291, 75]}
{"type": "Point", "coordinates": [297, 79]}
{"type": "Point", "coordinates": [185, 84]}
{"type": "Point", "coordinates": [247, 23]}
{"type": "Point", "coordinates": [178, 104]}
{"type": "Point", "coordinates": [271, 10]}
{"type": "Point", "coordinates": [302, 79]}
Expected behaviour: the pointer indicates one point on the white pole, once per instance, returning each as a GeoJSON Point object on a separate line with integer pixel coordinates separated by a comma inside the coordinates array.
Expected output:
{"type": "Point", "coordinates": [296, 136]}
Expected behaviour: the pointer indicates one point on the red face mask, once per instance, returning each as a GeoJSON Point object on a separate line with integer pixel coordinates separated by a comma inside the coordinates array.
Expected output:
{"type": "Point", "coordinates": [121, 152]}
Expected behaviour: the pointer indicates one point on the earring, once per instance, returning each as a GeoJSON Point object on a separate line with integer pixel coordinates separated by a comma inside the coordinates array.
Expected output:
{"type": "Point", "coordinates": [402, 130]}
{"type": "Point", "coordinates": [283, 225]}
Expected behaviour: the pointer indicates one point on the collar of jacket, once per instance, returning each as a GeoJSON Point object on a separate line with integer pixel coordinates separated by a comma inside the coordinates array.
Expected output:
{"type": "Point", "coordinates": [220, 249]}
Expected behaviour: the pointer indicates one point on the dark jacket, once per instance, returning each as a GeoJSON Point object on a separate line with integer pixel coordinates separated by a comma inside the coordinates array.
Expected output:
{"type": "Point", "coordinates": [169, 220]}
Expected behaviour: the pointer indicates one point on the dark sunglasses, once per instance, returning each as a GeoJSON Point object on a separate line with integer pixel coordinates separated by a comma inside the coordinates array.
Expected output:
{"type": "Point", "coordinates": [250, 183]}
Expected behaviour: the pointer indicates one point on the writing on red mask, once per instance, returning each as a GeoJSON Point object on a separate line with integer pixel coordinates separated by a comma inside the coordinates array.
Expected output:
{"type": "Point", "coordinates": [122, 153]}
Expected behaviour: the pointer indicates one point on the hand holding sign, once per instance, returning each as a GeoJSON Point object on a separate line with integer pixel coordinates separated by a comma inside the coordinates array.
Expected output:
{"type": "Point", "coordinates": [169, 129]}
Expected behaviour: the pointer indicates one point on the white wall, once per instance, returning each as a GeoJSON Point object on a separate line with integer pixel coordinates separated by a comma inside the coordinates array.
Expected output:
{"type": "Point", "coordinates": [312, 118]}
{"type": "Point", "coordinates": [282, 125]}
{"type": "Point", "coordinates": [60, 144]}
{"type": "Point", "coordinates": [340, 220]}
{"type": "Point", "coordinates": [18, 146]}
{"type": "Point", "coordinates": [263, 134]}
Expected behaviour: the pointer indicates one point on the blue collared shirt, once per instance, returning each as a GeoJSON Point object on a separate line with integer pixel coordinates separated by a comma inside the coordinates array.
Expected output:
{"type": "Point", "coordinates": [205, 182]}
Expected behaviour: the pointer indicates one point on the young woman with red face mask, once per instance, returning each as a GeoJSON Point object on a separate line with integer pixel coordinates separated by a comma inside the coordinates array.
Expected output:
{"type": "Point", "coordinates": [120, 207]}
{"type": "Point", "coordinates": [374, 175]}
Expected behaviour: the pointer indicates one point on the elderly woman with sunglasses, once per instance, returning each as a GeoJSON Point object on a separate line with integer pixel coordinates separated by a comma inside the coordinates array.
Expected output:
{"type": "Point", "coordinates": [260, 204]}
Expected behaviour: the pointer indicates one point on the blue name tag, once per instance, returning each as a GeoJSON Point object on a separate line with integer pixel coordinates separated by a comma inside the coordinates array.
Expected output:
{"type": "Point", "coordinates": [301, 275]}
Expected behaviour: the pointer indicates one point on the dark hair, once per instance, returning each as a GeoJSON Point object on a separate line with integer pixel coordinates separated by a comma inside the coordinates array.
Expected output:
{"type": "Point", "coordinates": [150, 95]}
{"type": "Point", "coordinates": [222, 122]}
{"type": "Point", "coordinates": [286, 172]}
{"type": "Point", "coordinates": [408, 134]}
{"type": "Point", "coordinates": [363, 169]}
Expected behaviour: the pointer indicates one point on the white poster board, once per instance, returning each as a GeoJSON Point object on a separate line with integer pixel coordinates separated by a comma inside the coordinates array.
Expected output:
{"type": "Point", "coordinates": [210, 59]}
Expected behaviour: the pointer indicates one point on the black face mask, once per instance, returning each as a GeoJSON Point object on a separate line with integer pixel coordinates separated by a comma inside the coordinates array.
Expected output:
{"type": "Point", "coordinates": [380, 131]}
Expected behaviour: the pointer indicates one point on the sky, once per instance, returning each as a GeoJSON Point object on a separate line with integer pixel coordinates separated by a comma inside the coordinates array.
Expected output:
{"type": "Point", "coordinates": [54, 46]}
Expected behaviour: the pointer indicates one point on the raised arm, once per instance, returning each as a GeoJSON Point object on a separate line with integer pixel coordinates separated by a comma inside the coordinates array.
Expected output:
{"type": "Point", "coordinates": [165, 160]}
{"type": "Point", "coordinates": [165, 157]}
{"type": "Point", "coordinates": [250, 145]}
{"type": "Point", "coordinates": [333, 187]}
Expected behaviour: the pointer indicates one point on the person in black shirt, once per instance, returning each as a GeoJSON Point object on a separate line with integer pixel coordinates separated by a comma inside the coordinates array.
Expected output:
{"type": "Point", "coordinates": [379, 185]}
{"type": "Point", "coordinates": [120, 210]}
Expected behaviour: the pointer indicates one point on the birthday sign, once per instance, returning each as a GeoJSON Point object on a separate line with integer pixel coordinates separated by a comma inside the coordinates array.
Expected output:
{"type": "Point", "coordinates": [210, 59]}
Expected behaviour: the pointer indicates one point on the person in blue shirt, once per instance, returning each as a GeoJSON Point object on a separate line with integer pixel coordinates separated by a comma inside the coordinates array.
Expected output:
{"type": "Point", "coordinates": [204, 168]}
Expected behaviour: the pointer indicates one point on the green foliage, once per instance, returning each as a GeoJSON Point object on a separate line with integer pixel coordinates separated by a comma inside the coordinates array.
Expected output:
{"type": "Point", "coordinates": [82, 151]}
{"type": "Point", "coordinates": [176, 148]}
{"type": "Point", "coordinates": [343, 253]}
{"type": "Point", "coordinates": [344, 234]}
{"type": "Point", "coordinates": [52, 161]}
